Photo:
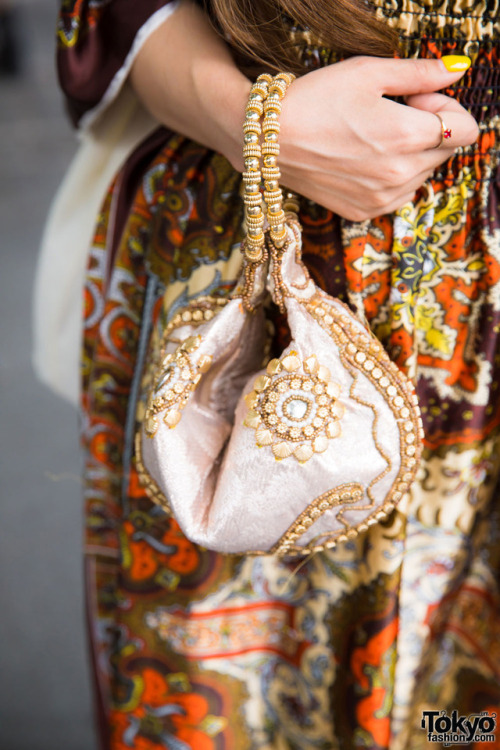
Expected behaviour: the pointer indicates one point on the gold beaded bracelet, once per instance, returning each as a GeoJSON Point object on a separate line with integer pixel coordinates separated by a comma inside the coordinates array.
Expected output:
{"type": "Point", "coordinates": [252, 129]}
{"type": "Point", "coordinates": [273, 195]}
{"type": "Point", "coordinates": [264, 100]}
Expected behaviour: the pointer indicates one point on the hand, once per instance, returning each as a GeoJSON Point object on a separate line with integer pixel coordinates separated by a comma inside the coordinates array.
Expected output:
{"type": "Point", "coordinates": [350, 149]}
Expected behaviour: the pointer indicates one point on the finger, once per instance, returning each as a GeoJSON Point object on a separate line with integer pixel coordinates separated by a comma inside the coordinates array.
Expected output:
{"type": "Point", "coordinates": [404, 77]}
{"type": "Point", "coordinates": [359, 205]}
{"type": "Point", "coordinates": [434, 103]}
{"type": "Point", "coordinates": [411, 130]}
{"type": "Point", "coordinates": [454, 130]}
{"type": "Point", "coordinates": [395, 203]}
{"type": "Point", "coordinates": [354, 212]}
{"type": "Point", "coordinates": [464, 129]}
{"type": "Point", "coordinates": [430, 159]}
{"type": "Point", "coordinates": [400, 202]}
{"type": "Point", "coordinates": [381, 200]}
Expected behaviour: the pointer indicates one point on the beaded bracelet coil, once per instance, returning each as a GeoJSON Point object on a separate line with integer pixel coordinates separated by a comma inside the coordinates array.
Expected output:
{"type": "Point", "coordinates": [261, 161]}
{"type": "Point", "coordinates": [252, 153]}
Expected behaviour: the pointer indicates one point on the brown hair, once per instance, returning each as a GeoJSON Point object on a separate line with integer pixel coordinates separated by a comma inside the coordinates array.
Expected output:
{"type": "Point", "coordinates": [258, 30]}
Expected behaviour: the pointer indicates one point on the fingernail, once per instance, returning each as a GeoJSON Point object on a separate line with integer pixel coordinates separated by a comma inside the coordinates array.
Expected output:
{"type": "Point", "coordinates": [455, 63]}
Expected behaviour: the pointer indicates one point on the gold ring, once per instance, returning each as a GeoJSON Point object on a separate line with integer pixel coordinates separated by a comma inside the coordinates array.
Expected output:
{"type": "Point", "coordinates": [445, 131]}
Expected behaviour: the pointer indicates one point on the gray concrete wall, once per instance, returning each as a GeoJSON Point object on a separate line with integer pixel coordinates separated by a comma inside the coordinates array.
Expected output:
{"type": "Point", "coordinates": [44, 683]}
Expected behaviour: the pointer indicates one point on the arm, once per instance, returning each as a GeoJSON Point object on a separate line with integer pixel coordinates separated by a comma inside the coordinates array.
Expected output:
{"type": "Point", "coordinates": [186, 77]}
{"type": "Point", "coordinates": [343, 143]}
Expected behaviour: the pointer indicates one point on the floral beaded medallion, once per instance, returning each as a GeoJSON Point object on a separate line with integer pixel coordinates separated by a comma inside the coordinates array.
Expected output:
{"type": "Point", "coordinates": [294, 407]}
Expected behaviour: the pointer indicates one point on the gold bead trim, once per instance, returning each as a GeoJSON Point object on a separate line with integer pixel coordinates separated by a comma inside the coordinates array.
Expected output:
{"type": "Point", "coordinates": [345, 494]}
{"type": "Point", "coordinates": [153, 491]}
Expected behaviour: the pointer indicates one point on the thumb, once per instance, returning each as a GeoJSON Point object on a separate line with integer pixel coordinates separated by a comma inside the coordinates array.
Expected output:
{"type": "Point", "coordinates": [405, 77]}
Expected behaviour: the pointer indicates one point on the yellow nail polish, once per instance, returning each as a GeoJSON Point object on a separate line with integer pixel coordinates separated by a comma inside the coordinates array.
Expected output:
{"type": "Point", "coordinates": [456, 63]}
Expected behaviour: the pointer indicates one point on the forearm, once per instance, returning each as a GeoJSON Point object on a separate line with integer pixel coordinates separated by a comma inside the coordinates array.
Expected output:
{"type": "Point", "coordinates": [186, 77]}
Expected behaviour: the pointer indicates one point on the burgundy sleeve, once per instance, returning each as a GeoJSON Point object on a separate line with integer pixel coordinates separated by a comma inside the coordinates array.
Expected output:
{"type": "Point", "coordinates": [94, 40]}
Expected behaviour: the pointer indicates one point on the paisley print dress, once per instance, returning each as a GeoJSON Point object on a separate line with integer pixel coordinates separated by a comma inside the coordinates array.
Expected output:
{"type": "Point", "coordinates": [192, 649]}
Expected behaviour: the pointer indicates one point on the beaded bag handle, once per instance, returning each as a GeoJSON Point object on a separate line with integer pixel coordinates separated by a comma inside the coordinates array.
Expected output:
{"type": "Point", "coordinates": [261, 163]}
{"type": "Point", "coordinates": [254, 242]}
{"type": "Point", "coordinates": [273, 195]}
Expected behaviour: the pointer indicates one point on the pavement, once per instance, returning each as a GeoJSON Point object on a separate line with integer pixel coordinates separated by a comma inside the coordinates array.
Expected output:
{"type": "Point", "coordinates": [45, 701]}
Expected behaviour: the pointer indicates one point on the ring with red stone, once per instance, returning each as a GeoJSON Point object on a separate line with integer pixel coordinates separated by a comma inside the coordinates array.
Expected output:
{"type": "Point", "coordinates": [445, 131]}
